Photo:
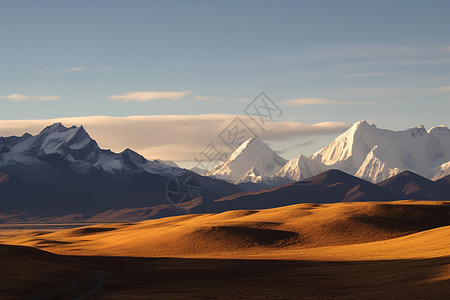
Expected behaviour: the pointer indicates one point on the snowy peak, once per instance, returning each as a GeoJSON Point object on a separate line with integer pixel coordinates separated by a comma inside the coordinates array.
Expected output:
{"type": "Point", "coordinates": [132, 158]}
{"type": "Point", "coordinates": [73, 141]}
{"type": "Point", "coordinates": [440, 131]}
{"type": "Point", "coordinates": [253, 153]}
{"type": "Point", "coordinates": [347, 147]}
{"type": "Point", "coordinates": [245, 145]}
{"type": "Point", "coordinates": [252, 145]}
{"type": "Point", "coordinates": [55, 127]}
{"type": "Point", "coordinates": [364, 150]}
{"type": "Point", "coordinates": [440, 171]}
{"type": "Point", "coordinates": [301, 168]}
{"type": "Point", "coordinates": [72, 148]}
{"type": "Point", "coordinates": [376, 154]}
{"type": "Point", "coordinates": [56, 136]}
{"type": "Point", "coordinates": [252, 176]}
{"type": "Point", "coordinates": [363, 124]}
{"type": "Point", "coordinates": [418, 131]}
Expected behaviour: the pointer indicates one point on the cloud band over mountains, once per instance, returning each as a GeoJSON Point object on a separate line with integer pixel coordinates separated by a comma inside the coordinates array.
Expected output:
{"type": "Point", "coordinates": [174, 137]}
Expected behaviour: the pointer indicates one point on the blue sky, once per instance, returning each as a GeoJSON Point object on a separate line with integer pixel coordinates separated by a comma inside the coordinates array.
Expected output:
{"type": "Point", "coordinates": [321, 61]}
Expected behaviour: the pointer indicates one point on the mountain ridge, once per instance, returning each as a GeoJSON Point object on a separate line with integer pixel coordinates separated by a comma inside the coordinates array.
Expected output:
{"type": "Point", "coordinates": [62, 170]}
{"type": "Point", "coordinates": [251, 154]}
{"type": "Point", "coordinates": [371, 153]}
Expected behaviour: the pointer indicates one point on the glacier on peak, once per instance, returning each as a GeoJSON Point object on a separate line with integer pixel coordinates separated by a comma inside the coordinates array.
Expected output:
{"type": "Point", "coordinates": [371, 153]}
{"type": "Point", "coordinates": [414, 149]}
{"type": "Point", "coordinates": [77, 151]}
{"type": "Point", "coordinates": [252, 153]}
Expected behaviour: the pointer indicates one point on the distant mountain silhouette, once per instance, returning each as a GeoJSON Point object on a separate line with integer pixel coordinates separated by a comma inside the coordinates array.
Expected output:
{"type": "Point", "coordinates": [139, 196]}
{"type": "Point", "coordinates": [409, 185]}
{"type": "Point", "coordinates": [327, 187]}
{"type": "Point", "coordinates": [337, 186]}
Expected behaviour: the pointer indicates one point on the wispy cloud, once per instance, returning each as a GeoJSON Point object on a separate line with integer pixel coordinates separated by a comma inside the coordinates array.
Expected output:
{"type": "Point", "coordinates": [439, 78]}
{"type": "Point", "coordinates": [205, 98]}
{"type": "Point", "coordinates": [321, 101]}
{"type": "Point", "coordinates": [71, 70]}
{"type": "Point", "coordinates": [169, 137]}
{"type": "Point", "coordinates": [142, 96]}
{"type": "Point", "coordinates": [75, 69]}
{"type": "Point", "coordinates": [19, 97]}
{"type": "Point", "coordinates": [105, 68]}
{"type": "Point", "coordinates": [442, 89]}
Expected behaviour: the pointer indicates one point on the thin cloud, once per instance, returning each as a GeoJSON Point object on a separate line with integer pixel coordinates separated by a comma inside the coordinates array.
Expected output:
{"type": "Point", "coordinates": [321, 101]}
{"type": "Point", "coordinates": [15, 97]}
{"type": "Point", "coordinates": [19, 97]}
{"type": "Point", "coordinates": [205, 98]}
{"type": "Point", "coordinates": [442, 89]}
{"type": "Point", "coordinates": [169, 137]}
{"type": "Point", "coordinates": [439, 79]}
{"type": "Point", "coordinates": [105, 68]}
{"type": "Point", "coordinates": [45, 98]}
{"type": "Point", "coordinates": [75, 69]}
{"type": "Point", "coordinates": [142, 96]}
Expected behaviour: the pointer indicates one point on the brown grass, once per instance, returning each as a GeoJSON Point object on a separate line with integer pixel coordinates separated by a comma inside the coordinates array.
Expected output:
{"type": "Point", "coordinates": [373, 250]}
{"type": "Point", "coordinates": [340, 231]}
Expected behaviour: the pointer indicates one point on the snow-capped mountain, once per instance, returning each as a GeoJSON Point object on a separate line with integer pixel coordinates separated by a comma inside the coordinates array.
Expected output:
{"type": "Point", "coordinates": [63, 171]}
{"type": "Point", "coordinates": [77, 151]}
{"type": "Point", "coordinates": [376, 154]}
{"type": "Point", "coordinates": [252, 176]}
{"type": "Point", "coordinates": [300, 168]}
{"type": "Point", "coordinates": [252, 160]}
{"type": "Point", "coordinates": [363, 150]}
{"type": "Point", "coordinates": [440, 172]}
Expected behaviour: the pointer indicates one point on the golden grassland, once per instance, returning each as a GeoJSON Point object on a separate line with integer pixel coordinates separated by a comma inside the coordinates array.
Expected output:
{"type": "Point", "coordinates": [340, 231]}
{"type": "Point", "coordinates": [340, 250]}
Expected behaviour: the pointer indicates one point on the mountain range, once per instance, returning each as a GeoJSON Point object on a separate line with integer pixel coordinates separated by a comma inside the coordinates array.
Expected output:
{"type": "Point", "coordinates": [62, 172]}
{"type": "Point", "coordinates": [363, 150]}
{"type": "Point", "coordinates": [336, 186]}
